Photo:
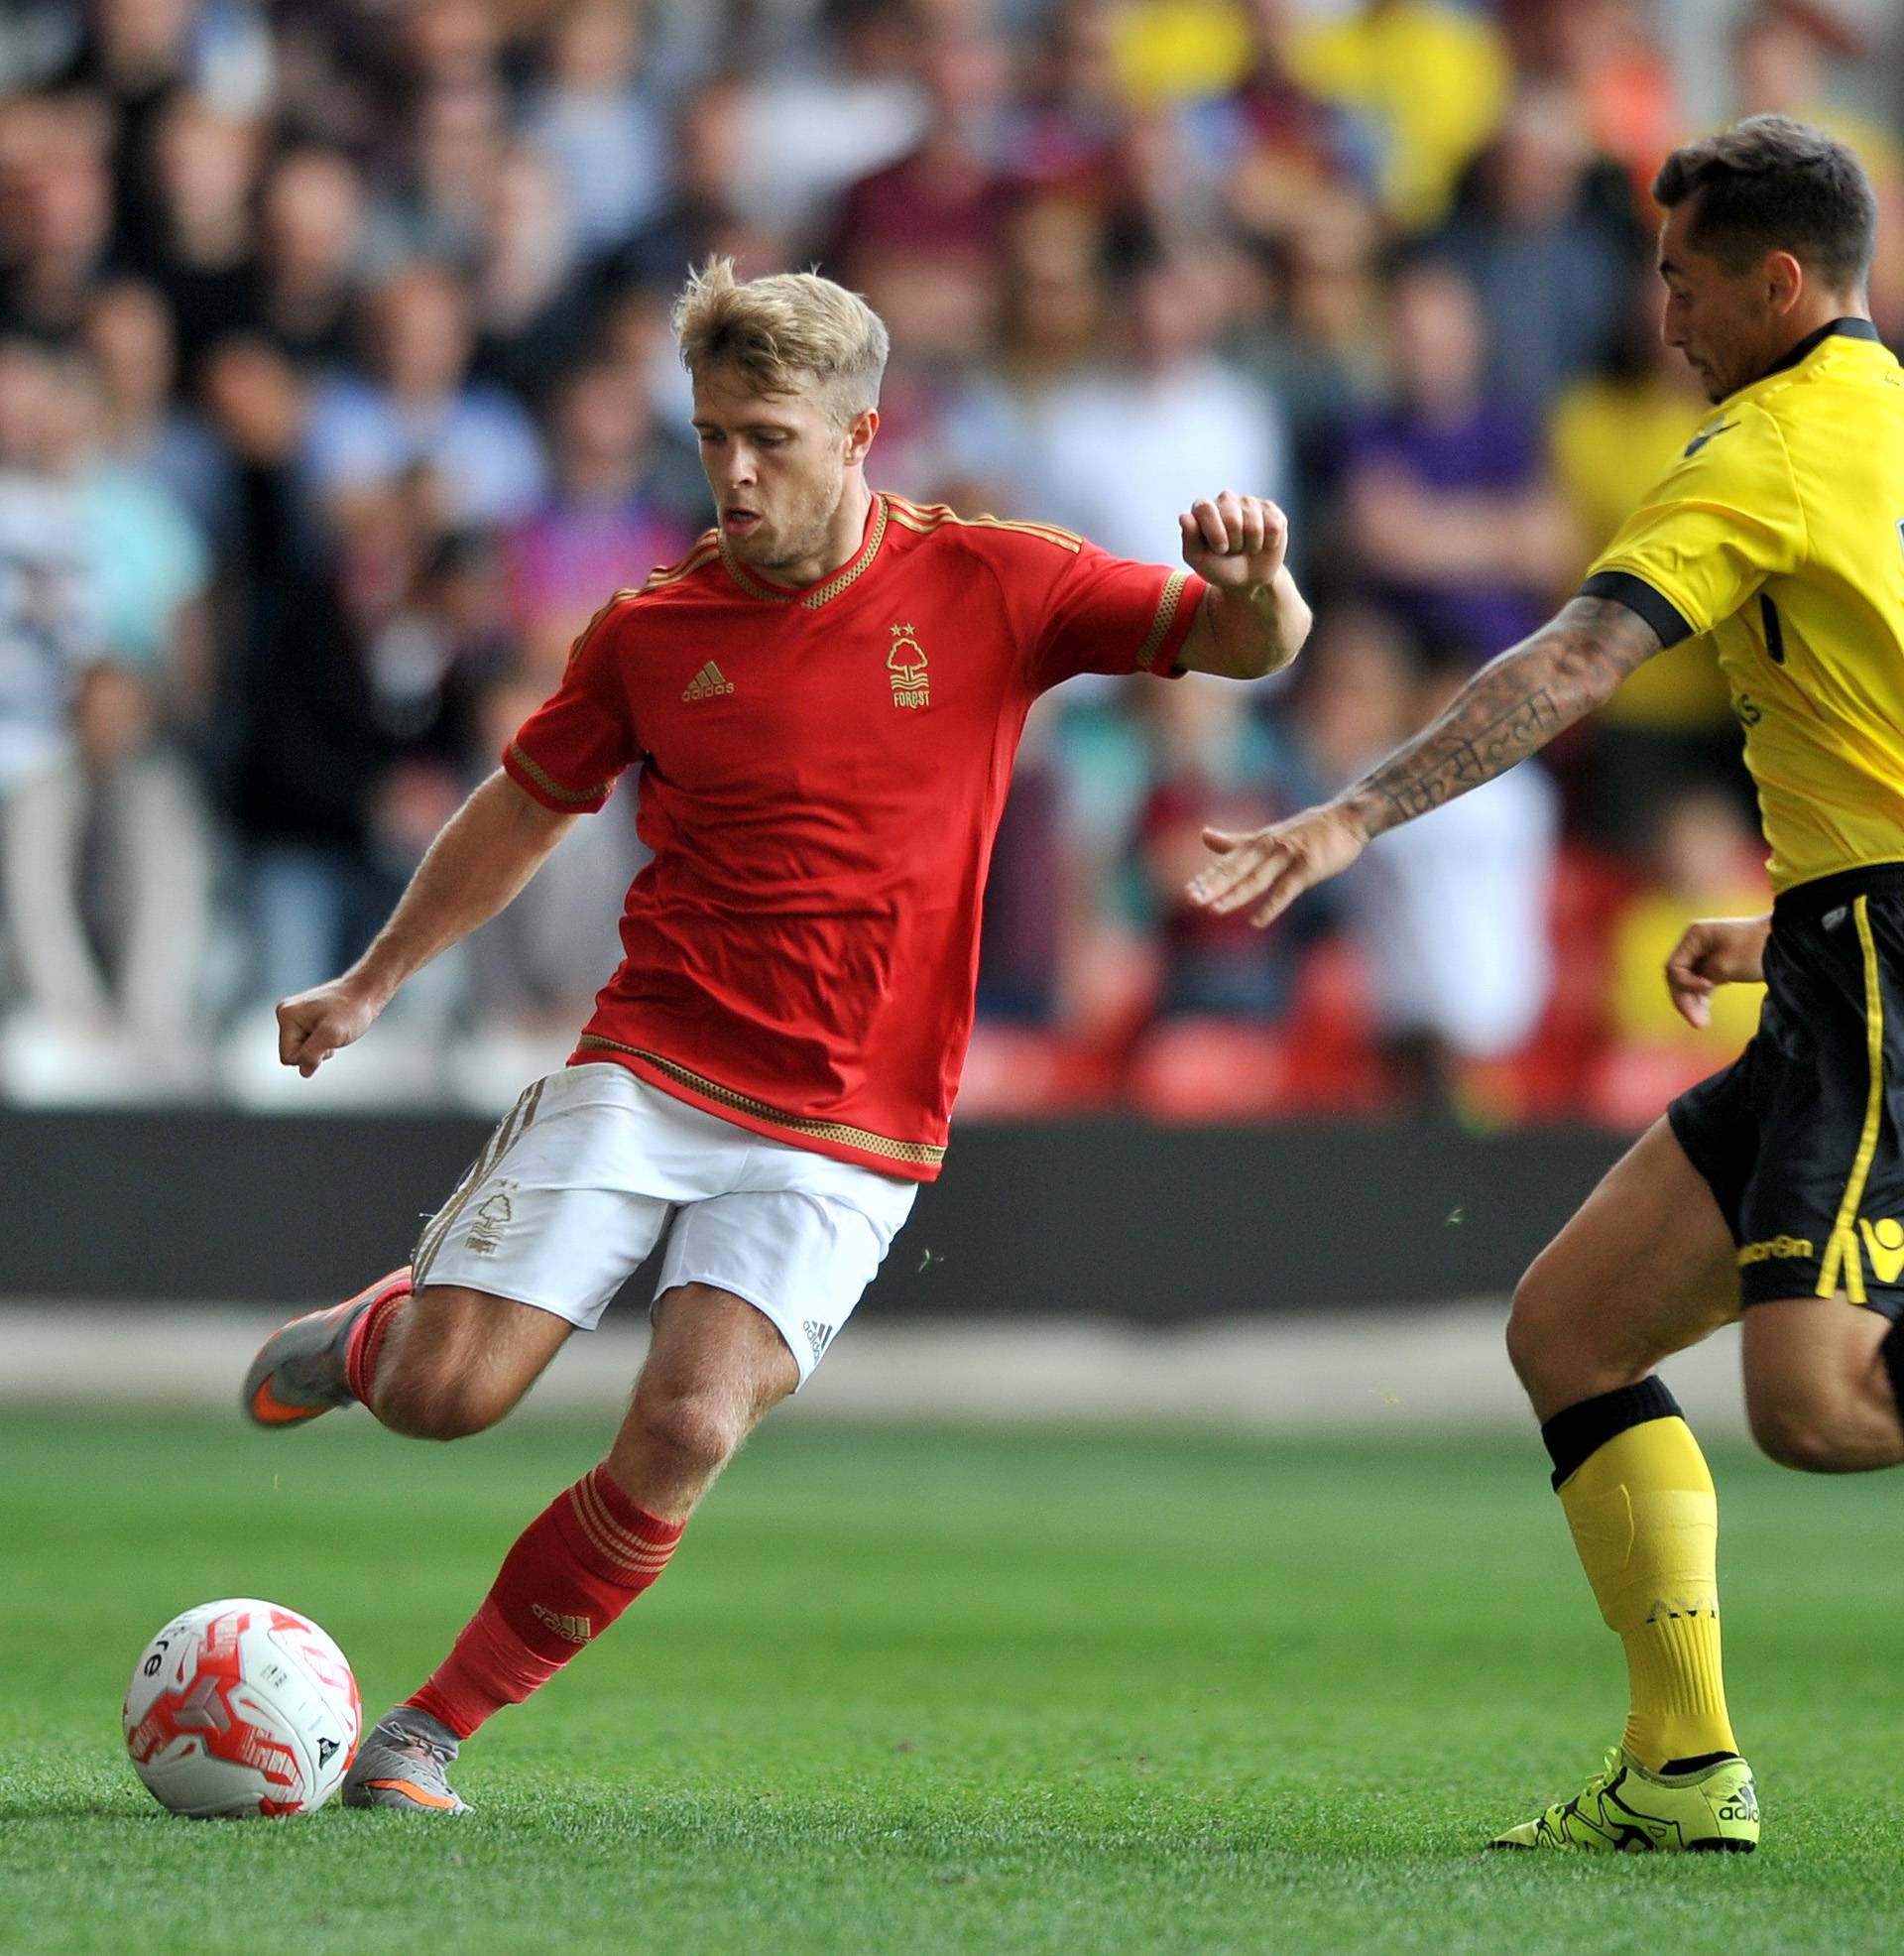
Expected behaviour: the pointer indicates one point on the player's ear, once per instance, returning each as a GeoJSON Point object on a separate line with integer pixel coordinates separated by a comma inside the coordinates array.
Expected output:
{"type": "Point", "coordinates": [1784, 280]}
{"type": "Point", "coordinates": [860, 432]}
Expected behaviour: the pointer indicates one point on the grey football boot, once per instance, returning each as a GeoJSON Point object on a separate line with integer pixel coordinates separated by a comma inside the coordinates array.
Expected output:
{"type": "Point", "coordinates": [404, 1761]}
{"type": "Point", "coordinates": [299, 1370]}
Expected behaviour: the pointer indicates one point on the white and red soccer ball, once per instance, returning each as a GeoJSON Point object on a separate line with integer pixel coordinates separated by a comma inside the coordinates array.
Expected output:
{"type": "Point", "coordinates": [241, 1708]}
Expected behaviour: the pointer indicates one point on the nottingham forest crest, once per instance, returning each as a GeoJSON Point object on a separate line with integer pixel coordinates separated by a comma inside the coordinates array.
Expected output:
{"type": "Point", "coordinates": [906, 664]}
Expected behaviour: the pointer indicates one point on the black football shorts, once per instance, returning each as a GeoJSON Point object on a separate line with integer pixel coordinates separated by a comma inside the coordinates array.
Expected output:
{"type": "Point", "coordinates": [1802, 1138]}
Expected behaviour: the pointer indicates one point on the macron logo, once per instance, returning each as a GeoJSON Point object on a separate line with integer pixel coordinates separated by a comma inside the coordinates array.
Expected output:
{"type": "Point", "coordinates": [1884, 1245]}
{"type": "Point", "coordinates": [1700, 441]}
{"type": "Point", "coordinates": [707, 682]}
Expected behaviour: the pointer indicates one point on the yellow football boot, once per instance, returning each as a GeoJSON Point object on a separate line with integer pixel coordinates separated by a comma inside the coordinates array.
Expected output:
{"type": "Point", "coordinates": [1626, 1809]}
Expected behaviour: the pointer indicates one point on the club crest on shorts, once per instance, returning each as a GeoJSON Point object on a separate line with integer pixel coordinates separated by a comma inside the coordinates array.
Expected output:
{"type": "Point", "coordinates": [905, 662]}
{"type": "Point", "coordinates": [485, 1236]}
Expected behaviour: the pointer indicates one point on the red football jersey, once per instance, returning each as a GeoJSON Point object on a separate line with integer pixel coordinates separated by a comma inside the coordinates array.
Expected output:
{"type": "Point", "coordinates": [822, 774]}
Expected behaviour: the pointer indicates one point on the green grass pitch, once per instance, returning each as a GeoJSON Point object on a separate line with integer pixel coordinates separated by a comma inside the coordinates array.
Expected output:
{"type": "Point", "coordinates": [921, 1691]}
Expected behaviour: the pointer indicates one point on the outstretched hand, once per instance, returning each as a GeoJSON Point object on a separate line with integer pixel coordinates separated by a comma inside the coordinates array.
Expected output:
{"type": "Point", "coordinates": [313, 1025]}
{"type": "Point", "coordinates": [1273, 865]}
{"type": "Point", "coordinates": [1714, 951]}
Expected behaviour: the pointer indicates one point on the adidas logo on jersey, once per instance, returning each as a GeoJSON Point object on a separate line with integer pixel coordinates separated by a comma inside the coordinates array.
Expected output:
{"type": "Point", "coordinates": [571, 1630]}
{"type": "Point", "coordinates": [707, 682]}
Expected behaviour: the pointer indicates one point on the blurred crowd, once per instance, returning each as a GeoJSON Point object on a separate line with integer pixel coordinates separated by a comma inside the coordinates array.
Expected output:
{"type": "Point", "coordinates": [336, 394]}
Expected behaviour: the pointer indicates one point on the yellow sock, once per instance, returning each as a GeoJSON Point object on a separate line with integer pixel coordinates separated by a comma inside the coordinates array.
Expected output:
{"type": "Point", "coordinates": [1645, 1522]}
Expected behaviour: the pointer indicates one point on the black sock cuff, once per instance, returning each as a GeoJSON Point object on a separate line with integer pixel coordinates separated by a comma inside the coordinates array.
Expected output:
{"type": "Point", "coordinates": [1576, 1433]}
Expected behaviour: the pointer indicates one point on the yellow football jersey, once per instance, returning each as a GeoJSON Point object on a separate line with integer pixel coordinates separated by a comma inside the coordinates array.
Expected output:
{"type": "Point", "coordinates": [1779, 534]}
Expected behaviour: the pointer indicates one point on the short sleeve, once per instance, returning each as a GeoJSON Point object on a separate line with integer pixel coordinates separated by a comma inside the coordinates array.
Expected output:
{"type": "Point", "coordinates": [1106, 615]}
{"type": "Point", "coordinates": [568, 754]}
{"type": "Point", "coordinates": [1722, 520]}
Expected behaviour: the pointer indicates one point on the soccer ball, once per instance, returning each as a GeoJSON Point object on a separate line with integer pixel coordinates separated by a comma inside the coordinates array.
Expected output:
{"type": "Point", "coordinates": [241, 1708]}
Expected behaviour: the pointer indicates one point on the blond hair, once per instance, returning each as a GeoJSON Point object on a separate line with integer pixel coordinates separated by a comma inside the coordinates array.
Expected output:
{"type": "Point", "coordinates": [783, 332]}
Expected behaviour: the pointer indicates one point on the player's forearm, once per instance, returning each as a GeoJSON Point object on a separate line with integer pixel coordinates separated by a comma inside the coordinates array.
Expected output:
{"type": "Point", "coordinates": [1256, 629]}
{"type": "Point", "coordinates": [486, 852]}
{"type": "Point", "coordinates": [1511, 708]}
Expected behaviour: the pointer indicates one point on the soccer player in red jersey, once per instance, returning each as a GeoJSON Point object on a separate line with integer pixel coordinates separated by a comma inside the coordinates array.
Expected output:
{"type": "Point", "coordinates": [825, 698]}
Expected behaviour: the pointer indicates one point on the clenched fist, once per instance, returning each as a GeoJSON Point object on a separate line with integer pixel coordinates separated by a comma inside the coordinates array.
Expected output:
{"type": "Point", "coordinates": [1231, 541]}
{"type": "Point", "coordinates": [1714, 951]}
{"type": "Point", "coordinates": [315, 1024]}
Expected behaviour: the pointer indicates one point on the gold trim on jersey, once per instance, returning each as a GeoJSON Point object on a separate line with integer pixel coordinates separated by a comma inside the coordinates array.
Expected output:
{"type": "Point", "coordinates": [1841, 1256]}
{"type": "Point", "coordinates": [821, 593]}
{"type": "Point", "coordinates": [925, 517]}
{"type": "Point", "coordinates": [508, 1133]}
{"type": "Point", "coordinates": [665, 574]}
{"type": "Point", "coordinates": [589, 629]}
{"type": "Point", "coordinates": [752, 586]}
{"type": "Point", "coordinates": [923, 1153]}
{"type": "Point", "coordinates": [550, 787]}
{"type": "Point", "coordinates": [1162, 623]}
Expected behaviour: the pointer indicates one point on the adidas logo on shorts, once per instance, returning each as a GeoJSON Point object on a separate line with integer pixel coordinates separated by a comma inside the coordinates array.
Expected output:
{"type": "Point", "coordinates": [820, 1336]}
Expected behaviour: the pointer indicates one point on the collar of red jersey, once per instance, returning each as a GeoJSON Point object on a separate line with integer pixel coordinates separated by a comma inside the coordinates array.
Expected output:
{"type": "Point", "coordinates": [814, 595]}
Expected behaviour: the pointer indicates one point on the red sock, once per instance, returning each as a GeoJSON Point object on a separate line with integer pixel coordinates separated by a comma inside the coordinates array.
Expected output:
{"type": "Point", "coordinates": [573, 1570]}
{"type": "Point", "coordinates": [366, 1341]}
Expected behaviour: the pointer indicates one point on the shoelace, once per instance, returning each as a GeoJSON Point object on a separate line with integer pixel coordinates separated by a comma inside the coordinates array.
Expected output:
{"type": "Point", "coordinates": [421, 1747]}
{"type": "Point", "coordinates": [1609, 1767]}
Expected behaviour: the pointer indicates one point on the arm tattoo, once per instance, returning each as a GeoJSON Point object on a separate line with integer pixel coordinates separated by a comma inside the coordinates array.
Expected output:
{"type": "Point", "coordinates": [1512, 706]}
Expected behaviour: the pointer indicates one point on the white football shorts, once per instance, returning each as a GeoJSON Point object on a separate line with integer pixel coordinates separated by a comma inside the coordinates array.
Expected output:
{"type": "Point", "coordinates": [577, 1184]}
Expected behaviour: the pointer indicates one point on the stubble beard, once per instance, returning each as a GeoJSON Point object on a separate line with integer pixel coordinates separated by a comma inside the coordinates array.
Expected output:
{"type": "Point", "coordinates": [793, 541]}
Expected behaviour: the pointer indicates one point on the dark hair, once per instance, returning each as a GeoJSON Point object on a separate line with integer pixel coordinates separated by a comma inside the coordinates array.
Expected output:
{"type": "Point", "coordinates": [1771, 184]}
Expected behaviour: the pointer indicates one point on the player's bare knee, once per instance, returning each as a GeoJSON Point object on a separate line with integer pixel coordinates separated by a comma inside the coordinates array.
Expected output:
{"type": "Point", "coordinates": [1798, 1433]}
{"type": "Point", "coordinates": [426, 1406]}
{"type": "Point", "coordinates": [1524, 1337]}
{"type": "Point", "coordinates": [1543, 1344]}
{"type": "Point", "coordinates": [697, 1428]}
{"type": "Point", "coordinates": [1792, 1441]}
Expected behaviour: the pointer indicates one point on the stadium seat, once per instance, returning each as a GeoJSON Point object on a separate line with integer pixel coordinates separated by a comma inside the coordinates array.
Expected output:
{"type": "Point", "coordinates": [1630, 1083]}
{"type": "Point", "coordinates": [1019, 1072]}
{"type": "Point", "coordinates": [1320, 1059]}
{"type": "Point", "coordinates": [1549, 1078]}
{"type": "Point", "coordinates": [1335, 1064]}
{"type": "Point", "coordinates": [1210, 1069]}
